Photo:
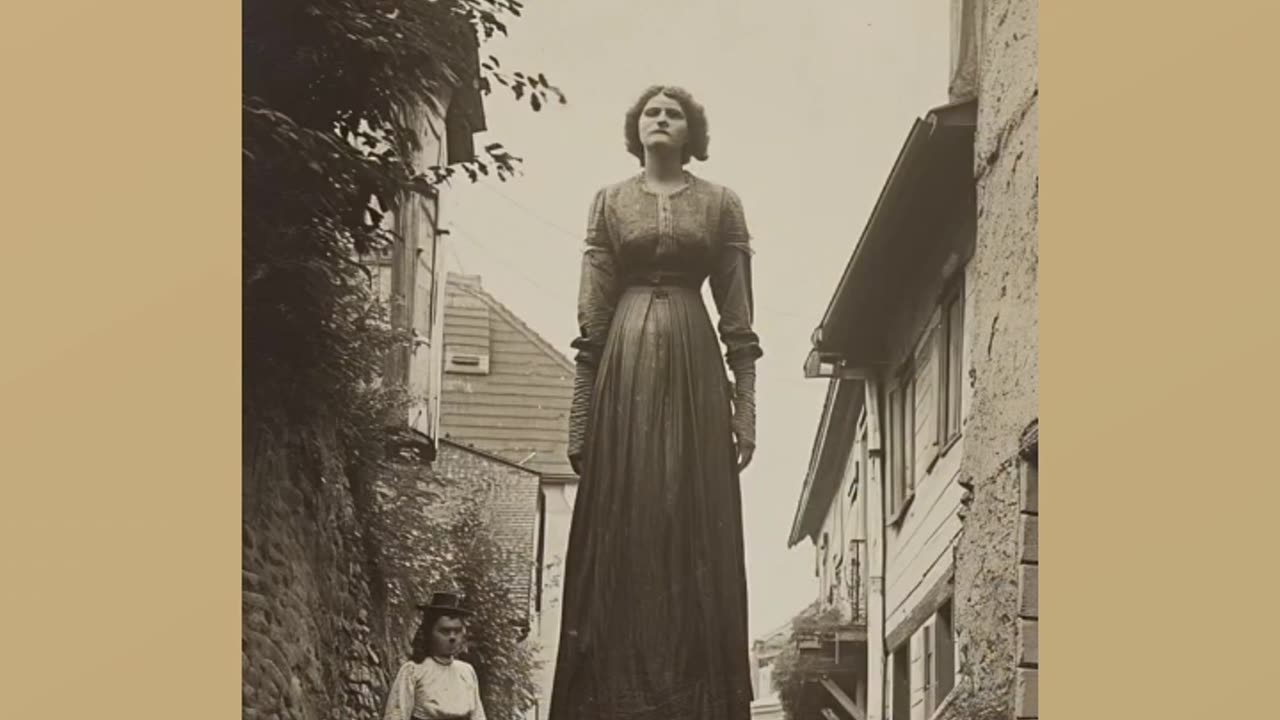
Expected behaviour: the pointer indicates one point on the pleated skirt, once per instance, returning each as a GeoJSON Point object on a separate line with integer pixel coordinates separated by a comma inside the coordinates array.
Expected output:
{"type": "Point", "coordinates": [655, 599]}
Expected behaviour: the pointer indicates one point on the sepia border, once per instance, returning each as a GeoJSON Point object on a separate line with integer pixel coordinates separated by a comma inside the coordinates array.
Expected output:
{"type": "Point", "coordinates": [121, 367]}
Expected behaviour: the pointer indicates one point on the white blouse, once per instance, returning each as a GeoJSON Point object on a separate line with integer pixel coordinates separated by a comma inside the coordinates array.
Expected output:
{"type": "Point", "coordinates": [431, 691]}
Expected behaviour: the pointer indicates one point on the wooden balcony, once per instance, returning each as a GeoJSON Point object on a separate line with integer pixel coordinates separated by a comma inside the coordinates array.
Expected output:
{"type": "Point", "coordinates": [842, 650]}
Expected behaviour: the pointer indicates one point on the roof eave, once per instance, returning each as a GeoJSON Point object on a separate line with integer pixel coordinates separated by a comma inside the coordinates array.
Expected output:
{"type": "Point", "coordinates": [907, 156]}
{"type": "Point", "coordinates": [844, 396]}
{"type": "Point", "coordinates": [949, 119]}
{"type": "Point", "coordinates": [493, 457]}
{"type": "Point", "coordinates": [798, 531]}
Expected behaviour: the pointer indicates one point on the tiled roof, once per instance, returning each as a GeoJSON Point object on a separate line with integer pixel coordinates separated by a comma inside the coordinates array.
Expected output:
{"type": "Point", "coordinates": [514, 400]}
{"type": "Point", "coordinates": [510, 508]}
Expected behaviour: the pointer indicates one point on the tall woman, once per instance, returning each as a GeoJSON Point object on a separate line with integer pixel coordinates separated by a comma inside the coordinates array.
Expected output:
{"type": "Point", "coordinates": [655, 608]}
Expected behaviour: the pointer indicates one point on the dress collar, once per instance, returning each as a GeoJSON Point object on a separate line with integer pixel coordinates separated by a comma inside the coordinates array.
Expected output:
{"type": "Point", "coordinates": [689, 180]}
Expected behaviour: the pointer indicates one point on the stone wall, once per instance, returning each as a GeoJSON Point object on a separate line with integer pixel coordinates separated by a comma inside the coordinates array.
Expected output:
{"type": "Point", "coordinates": [1003, 366]}
{"type": "Point", "coordinates": [327, 615]}
{"type": "Point", "coordinates": [310, 648]}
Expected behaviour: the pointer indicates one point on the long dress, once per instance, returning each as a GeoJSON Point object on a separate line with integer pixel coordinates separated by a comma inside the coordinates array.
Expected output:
{"type": "Point", "coordinates": [655, 607]}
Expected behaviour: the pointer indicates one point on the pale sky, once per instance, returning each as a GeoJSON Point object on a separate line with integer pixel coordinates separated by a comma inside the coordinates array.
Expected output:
{"type": "Point", "coordinates": [808, 103]}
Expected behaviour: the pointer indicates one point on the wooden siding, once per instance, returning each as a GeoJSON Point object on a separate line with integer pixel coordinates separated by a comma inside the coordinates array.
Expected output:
{"type": "Point", "coordinates": [845, 526]}
{"type": "Point", "coordinates": [920, 548]}
{"type": "Point", "coordinates": [1028, 688]}
{"type": "Point", "coordinates": [519, 410]}
{"type": "Point", "coordinates": [1027, 702]}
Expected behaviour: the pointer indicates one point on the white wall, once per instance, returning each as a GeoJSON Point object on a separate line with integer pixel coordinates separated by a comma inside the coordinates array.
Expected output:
{"type": "Point", "coordinates": [844, 522]}
{"type": "Point", "coordinates": [559, 513]}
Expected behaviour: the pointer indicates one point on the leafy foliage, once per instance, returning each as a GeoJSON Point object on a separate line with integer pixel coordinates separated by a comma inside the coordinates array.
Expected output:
{"type": "Point", "coordinates": [791, 671]}
{"type": "Point", "coordinates": [332, 90]}
{"type": "Point", "coordinates": [505, 663]}
{"type": "Point", "coordinates": [435, 540]}
{"type": "Point", "coordinates": [330, 93]}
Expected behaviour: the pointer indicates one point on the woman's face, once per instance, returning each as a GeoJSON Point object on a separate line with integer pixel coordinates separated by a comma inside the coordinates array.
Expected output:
{"type": "Point", "coordinates": [662, 123]}
{"type": "Point", "coordinates": [447, 636]}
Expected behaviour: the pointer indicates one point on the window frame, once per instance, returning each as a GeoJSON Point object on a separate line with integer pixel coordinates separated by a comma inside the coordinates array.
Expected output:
{"type": "Point", "coordinates": [938, 659]}
{"type": "Point", "coordinates": [951, 363]}
{"type": "Point", "coordinates": [902, 455]}
{"type": "Point", "coordinates": [928, 651]}
{"type": "Point", "coordinates": [900, 695]}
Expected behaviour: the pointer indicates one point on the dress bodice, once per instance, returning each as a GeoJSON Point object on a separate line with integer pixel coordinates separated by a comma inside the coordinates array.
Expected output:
{"type": "Point", "coordinates": [679, 233]}
{"type": "Point", "coordinates": [636, 236]}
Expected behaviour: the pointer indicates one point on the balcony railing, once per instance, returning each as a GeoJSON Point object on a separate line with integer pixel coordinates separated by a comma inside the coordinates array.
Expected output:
{"type": "Point", "coordinates": [856, 583]}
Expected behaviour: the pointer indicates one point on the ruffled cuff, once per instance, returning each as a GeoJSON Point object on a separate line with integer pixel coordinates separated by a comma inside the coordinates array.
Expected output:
{"type": "Point", "coordinates": [744, 403]}
{"type": "Point", "coordinates": [584, 381]}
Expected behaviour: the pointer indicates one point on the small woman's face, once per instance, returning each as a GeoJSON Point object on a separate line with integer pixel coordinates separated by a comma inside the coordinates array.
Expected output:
{"type": "Point", "coordinates": [447, 636]}
{"type": "Point", "coordinates": [663, 123]}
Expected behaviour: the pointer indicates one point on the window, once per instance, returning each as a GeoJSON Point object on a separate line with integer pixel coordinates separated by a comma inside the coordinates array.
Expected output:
{"type": "Point", "coordinates": [909, 431]}
{"type": "Point", "coordinates": [855, 579]}
{"type": "Point", "coordinates": [945, 653]}
{"type": "Point", "coordinates": [902, 400]}
{"type": "Point", "coordinates": [938, 659]}
{"type": "Point", "coordinates": [836, 579]}
{"type": "Point", "coordinates": [901, 699]}
{"type": "Point", "coordinates": [466, 363]}
{"type": "Point", "coordinates": [951, 367]}
{"type": "Point", "coordinates": [895, 451]}
{"type": "Point", "coordinates": [927, 669]}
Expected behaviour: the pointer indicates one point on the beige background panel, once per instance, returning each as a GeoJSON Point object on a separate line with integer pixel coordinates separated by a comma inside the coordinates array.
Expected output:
{"type": "Point", "coordinates": [119, 426]}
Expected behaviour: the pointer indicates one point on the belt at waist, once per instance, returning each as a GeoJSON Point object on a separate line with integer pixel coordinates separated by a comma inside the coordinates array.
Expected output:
{"type": "Point", "coordinates": [663, 279]}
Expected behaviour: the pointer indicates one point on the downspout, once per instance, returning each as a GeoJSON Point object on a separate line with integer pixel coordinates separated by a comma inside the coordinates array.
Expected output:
{"type": "Point", "coordinates": [439, 285]}
{"type": "Point", "coordinates": [874, 509]}
{"type": "Point", "coordinates": [439, 280]}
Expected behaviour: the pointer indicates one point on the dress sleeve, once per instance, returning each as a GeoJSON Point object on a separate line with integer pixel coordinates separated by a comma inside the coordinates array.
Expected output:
{"type": "Point", "coordinates": [477, 708]}
{"type": "Point", "coordinates": [400, 697]}
{"type": "Point", "coordinates": [731, 286]}
{"type": "Point", "coordinates": [597, 298]}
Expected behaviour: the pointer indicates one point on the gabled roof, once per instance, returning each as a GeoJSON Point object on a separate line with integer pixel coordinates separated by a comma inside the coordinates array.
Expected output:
{"type": "Point", "coordinates": [517, 405]}
{"type": "Point", "coordinates": [510, 514]}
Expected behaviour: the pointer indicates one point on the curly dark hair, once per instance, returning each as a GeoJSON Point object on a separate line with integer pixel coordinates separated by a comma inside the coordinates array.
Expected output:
{"type": "Point", "coordinates": [421, 648]}
{"type": "Point", "coordinates": [696, 144]}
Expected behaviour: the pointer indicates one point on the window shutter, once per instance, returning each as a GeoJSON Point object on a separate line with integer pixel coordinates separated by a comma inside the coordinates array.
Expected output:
{"type": "Point", "coordinates": [895, 452]}
{"type": "Point", "coordinates": [955, 363]}
{"type": "Point", "coordinates": [909, 434]}
{"type": "Point", "coordinates": [946, 652]}
{"type": "Point", "coordinates": [926, 669]}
